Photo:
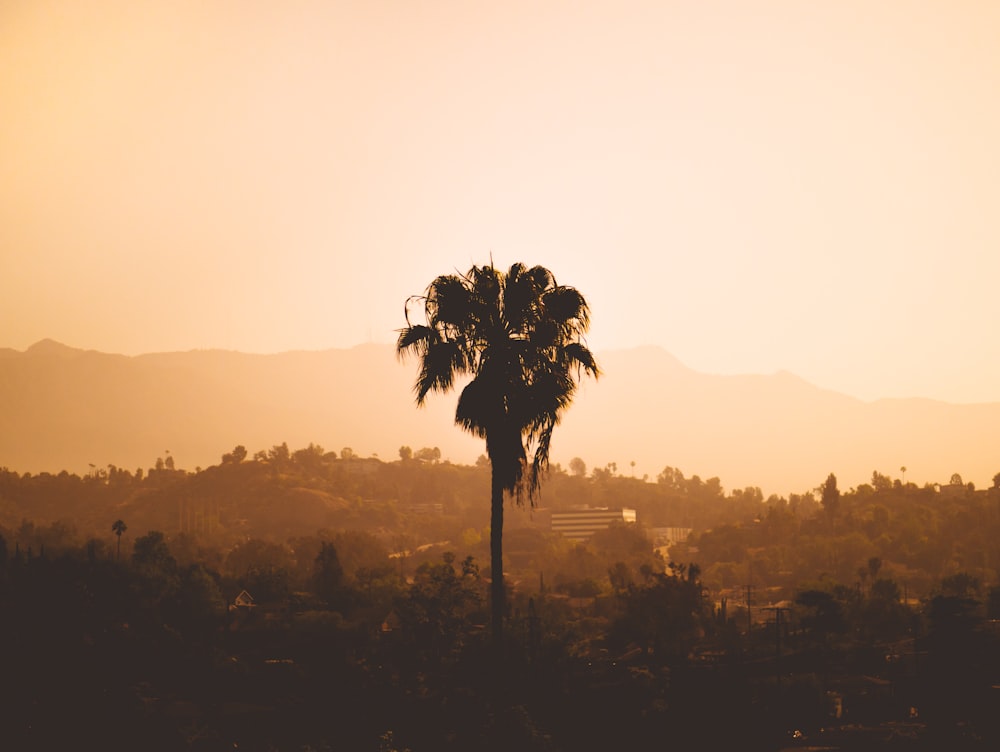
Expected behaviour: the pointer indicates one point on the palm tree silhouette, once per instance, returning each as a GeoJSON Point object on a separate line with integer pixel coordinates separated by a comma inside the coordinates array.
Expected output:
{"type": "Point", "coordinates": [519, 336]}
{"type": "Point", "coordinates": [118, 527]}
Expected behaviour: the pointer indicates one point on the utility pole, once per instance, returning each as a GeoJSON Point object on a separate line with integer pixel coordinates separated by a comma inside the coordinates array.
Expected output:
{"type": "Point", "coordinates": [777, 641]}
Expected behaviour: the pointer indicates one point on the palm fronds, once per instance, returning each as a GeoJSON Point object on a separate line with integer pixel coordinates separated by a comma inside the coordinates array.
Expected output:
{"type": "Point", "coordinates": [519, 335]}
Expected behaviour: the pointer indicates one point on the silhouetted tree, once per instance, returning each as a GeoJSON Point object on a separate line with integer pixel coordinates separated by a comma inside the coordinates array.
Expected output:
{"type": "Point", "coordinates": [830, 496]}
{"type": "Point", "coordinates": [874, 566]}
{"type": "Point", "coordinates": [119, 527]}
{"type": "Point", "coordinates": [199, 604]}
{"type": "Point", "coordinates": [665, 615]}
{"type": "Point", "coordinates": [518, 334]}
{"type": "Point", "coordinates": [428, 454]}
{"type": "Point", "coordinates": [881, 482]}
{"type": "Point", "coordinates": [310, 458]}
{"type": "Point", "coordinates": [438, 604]}
{"type": "Point", "coordinates": [235, 457]}
{"type": "Point", "coordinates": [823, 614]}
{"type": "Point", "coordinates": [884, 615]}
{"type": "Point", "coordinates": [151, 552]}
{"type": "Point", "coordinates": [279, 454]}
{"type": "Point", "coordinates": [328, 575]}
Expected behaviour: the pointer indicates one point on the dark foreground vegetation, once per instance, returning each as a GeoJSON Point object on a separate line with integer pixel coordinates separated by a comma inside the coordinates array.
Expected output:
{"type": "Point", "coordinates": [310, 600]}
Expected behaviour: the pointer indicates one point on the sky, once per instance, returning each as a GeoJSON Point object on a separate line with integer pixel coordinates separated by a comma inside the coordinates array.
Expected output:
{"type": "Point", "coordinates": [811, 187]}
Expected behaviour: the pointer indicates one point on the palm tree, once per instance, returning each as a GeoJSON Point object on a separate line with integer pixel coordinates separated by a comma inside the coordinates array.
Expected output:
{"type": "Point", "coordinates": [118, 527]}
{"type": "Point", "coordinates": [519, 337]}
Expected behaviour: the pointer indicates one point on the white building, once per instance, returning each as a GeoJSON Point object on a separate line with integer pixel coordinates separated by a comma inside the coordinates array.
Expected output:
{"type": "Point", "coordinates": [580, 524]}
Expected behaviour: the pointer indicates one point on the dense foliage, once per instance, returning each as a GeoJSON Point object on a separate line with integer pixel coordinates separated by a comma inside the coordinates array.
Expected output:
{"type": "Point", "coordinates": [310, 599]}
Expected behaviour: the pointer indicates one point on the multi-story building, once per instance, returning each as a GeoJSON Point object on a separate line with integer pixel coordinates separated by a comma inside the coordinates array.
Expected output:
{"type": "Point", "coordinates": [580, 524]}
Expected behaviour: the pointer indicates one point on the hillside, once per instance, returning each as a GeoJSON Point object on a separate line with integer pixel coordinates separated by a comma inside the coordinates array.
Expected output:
{"type": "Point", "coordinates": [65, 408]}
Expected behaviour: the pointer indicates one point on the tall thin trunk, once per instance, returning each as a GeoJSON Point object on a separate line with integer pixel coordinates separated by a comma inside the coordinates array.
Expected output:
{"type": "Point", "coordinates": [497, 591]}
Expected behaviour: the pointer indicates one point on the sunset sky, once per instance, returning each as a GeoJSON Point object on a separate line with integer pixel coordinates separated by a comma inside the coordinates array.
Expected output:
{"type": "Point", "coordinates": [754, 186]}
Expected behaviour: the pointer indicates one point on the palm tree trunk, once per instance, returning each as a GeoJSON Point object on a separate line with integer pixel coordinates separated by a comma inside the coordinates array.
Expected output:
{"type": "Point", "coordinates": [497, 592]}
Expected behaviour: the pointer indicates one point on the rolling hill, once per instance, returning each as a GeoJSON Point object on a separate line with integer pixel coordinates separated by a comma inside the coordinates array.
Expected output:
{"type": "Point", "coordinates": [66, 408]}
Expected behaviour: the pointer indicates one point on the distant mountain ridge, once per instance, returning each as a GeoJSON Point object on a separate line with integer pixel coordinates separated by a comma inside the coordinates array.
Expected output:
{"type": "Point", "coordinates": [66, 408]}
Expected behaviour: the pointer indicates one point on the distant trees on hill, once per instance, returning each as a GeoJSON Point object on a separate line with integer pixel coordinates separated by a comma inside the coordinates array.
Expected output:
{"type": "Point", "coordinates": [325, 581]}
{"type": "Point", "coordinates": [918, 535]}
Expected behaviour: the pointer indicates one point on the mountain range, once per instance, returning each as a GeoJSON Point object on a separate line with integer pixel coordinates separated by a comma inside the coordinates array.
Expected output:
{"type": "Point", "coordinates": [67, 408]}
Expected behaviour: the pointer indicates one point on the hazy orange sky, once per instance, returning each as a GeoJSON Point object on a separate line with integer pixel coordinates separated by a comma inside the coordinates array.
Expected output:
{"type": "Point", "coordinates": [755, 186]}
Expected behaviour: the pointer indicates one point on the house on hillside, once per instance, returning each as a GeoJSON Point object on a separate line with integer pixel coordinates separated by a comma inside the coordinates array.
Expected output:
{"type": "Point", "coordinates": [242, 602]}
